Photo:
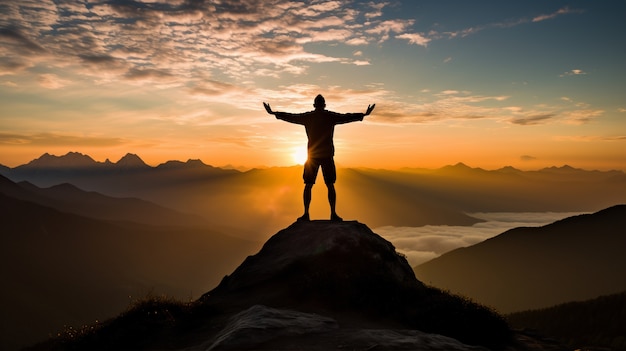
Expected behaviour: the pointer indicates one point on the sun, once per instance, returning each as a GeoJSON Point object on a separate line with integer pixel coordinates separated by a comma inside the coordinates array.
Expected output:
{"type": "Point", "coordinates": [299, 155]}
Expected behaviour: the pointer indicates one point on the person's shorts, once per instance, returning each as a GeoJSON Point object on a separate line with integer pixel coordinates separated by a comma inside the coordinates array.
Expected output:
{"type": "Point", "coordinates": [312, 165]}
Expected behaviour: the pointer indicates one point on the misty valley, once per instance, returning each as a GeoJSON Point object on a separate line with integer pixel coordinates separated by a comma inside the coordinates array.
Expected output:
{"type": "Point", "coordinates": [82, 240]}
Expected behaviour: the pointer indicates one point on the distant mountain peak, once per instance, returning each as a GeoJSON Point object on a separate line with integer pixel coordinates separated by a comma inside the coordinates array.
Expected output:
{"type": "Point", "coordinates": [564, 168]}
{"type": "Point", "coordinates": [71, 160]}
{"type": "Point", "coordinates": [509, 169]}
{"type": "Point", "coordinates": [459, 167]}
{"type": "Point", "coordinates": [131, 161]}
{"type": "Point", "coordinates": [196, 162]}
{"type": "Point", "coordinates": [190, 163]}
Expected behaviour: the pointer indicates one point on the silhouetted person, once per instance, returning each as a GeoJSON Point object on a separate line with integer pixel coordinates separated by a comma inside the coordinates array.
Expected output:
{"type": "Point", "coordinates": [320, 127]}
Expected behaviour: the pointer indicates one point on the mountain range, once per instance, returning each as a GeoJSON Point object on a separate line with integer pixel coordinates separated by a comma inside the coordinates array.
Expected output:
{"type": "Point", "coordinates": [577, 258]}
{"type": "Point", "coordinates": [403, 197]}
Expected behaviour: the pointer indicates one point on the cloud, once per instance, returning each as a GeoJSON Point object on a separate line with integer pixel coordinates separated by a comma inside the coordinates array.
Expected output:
{"type": "Point", "coordinates": [54, 139]}
{"type": "Point", "coordinates": [574, 72]}
{"type": "Point", "coordinates": [414, 38]}
{"type": "Point", "coordinates": [582, 116]}
{"type": "Point", "coordinates": [52, 81]}
{"type": "Point", "coordinates": [503, 24]}
{"type": "Point", "coordinates": [559, 12]}
{"type": "Point", "coordinates": [444, 105]}
{"type": "Point", "coordinates": [533, 120]}
{"type": "Point", "coordinates": [421, 244]}
{"type": "Point", "coordinates": [376, 9]}
{"type": "Point", "coordinates": [527, 158]}
{"type": "Point", "coordinates": [19, 42]}
{"type": "Point", "coordinates": [592, 138]}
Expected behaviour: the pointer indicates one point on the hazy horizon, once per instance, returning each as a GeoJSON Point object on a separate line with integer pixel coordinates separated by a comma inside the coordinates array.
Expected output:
{"type": "Point", "coordinates": [242, 167]}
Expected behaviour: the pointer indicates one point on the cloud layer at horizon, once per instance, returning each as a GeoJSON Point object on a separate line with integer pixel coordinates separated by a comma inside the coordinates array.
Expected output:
{"type": "Point", "coordinates": [422, 244]}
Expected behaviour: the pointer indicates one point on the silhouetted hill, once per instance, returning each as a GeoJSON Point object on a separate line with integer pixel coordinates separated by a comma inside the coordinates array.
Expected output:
{"type": "Point", "coordinates": [68, 198]}
{"type": "Point", "coordinates": [313, 286]}
{"type": "Point", "coordinates": [582, 325]}
{"type": "Point", "coordinates": [59, 268]}
{"type": "Point", "coordinates": [576, 258]}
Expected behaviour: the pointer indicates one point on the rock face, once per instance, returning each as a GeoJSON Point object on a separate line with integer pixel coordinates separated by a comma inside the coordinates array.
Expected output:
{"type": "Point", "coordinates": [336, 265]}
{"type": "Point", "coordinates": [344, 271]}
{"type": "Point", "coordinates": [261, 324]}
{"type": "Point", "coordinates": [265, 328]}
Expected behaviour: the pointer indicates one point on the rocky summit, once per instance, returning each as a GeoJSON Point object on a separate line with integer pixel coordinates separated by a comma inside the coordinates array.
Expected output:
{"type": "Point", "coordinates": [322, 264]}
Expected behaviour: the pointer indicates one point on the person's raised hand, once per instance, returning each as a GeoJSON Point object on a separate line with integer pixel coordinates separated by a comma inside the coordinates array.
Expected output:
{"type": "Point", "coordinates": [268, 108]}
{"type": "Point", "coordinates": [370, 108]}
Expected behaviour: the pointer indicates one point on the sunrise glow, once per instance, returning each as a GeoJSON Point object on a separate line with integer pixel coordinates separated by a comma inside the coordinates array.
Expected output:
{"type": "Point", "coordinates": [526, 84]}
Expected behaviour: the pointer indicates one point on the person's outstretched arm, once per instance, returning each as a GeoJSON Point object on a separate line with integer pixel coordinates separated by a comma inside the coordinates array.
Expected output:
{"type": "Point", "coordinates": [285, 116]}
{"type": "Point", "coordinates": [341, 118]}
{"type": "Point", "coordinates": [268, 108]}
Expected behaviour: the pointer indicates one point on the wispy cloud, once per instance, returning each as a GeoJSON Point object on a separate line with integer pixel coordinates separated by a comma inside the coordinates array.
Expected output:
{"type": "Point", "coordinates": [52, 81]}
{"type": "Point", "coordinates": [527, 158]}
{"type": "Point", "coordinates": [504, 24]}
{"type": "Point", "coordinates": [562, 11]}
{"type": "Point", "coordinates": [591, 138]}
{"type": "Point", "coordinates": [533, 120]}
{"type": "Point", "coordinates": [415, 38]}
{"type": "Point", "coordinates": [55, 139]}
{"type": "Point", "coordinates": [573, 72]}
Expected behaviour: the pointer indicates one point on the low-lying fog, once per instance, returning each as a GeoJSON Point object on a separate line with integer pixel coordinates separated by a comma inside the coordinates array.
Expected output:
{"type": "Point", "coordinates": [421, 244]}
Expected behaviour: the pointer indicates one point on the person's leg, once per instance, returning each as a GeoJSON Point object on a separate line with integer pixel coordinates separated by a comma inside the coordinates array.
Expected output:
{"type": "Point", "coordinates": [330, 176]}
{"type": "Point", "coordinates": [306, 196]}
{"type": "Point", "coordinates": [309, 175]}
{"type": "Point", "coordinates": [332, 201]}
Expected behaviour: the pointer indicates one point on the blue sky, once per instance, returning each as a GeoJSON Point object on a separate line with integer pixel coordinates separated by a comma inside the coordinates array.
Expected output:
{"type": "Point", "coordinates": [489, 83]}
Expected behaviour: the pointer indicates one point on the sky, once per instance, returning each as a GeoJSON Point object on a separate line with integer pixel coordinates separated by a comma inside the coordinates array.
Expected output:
{"type": "Point", "coordinates": [528, 84]}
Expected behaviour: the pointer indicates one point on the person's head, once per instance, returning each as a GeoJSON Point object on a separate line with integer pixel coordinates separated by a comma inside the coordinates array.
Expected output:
{"type": "Point", "coordinates": [320, 102]}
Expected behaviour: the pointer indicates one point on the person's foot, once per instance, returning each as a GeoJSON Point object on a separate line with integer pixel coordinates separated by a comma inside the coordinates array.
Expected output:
{"type": "Point", "coordinates": [335, 218]}
{"type": "Point", "coordinates": [304, 218]}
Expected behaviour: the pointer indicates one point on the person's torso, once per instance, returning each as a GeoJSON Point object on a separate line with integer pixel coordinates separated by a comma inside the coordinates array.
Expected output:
{"type": "Point", "coordinates": [320, 128]}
